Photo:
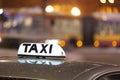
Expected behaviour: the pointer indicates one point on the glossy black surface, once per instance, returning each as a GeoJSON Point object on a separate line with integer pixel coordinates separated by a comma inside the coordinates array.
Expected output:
{"type": "Point", "coordinates": [53, 69]}
{"type": "Point", "coordinates": [44, 69]}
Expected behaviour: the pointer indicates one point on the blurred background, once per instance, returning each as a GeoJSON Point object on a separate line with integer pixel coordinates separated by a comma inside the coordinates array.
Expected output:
{"type": "Point", "coordinates": [82, 27]}
{"type": "Point", "coordinates": [74, 23]}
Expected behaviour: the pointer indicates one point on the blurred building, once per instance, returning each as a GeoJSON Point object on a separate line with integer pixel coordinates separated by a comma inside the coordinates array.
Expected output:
{"type": "Point", "coordinates": [86, 6]}
{"type": "Point", "coordinates": [79, 22]}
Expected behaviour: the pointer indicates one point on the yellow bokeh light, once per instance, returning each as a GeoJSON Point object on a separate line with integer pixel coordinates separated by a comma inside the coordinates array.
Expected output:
{"type": "Point", "coordinates": [114, 43]}
{"type": "Point", "coordinates": [115, 10]}
{"type": "Point", "coordinates": [79, 43]}
{"type": "Point", "coordinates": [109, 9]}
{"type": "Point", "coordinates": [96, 43]}
{"type": "Point", "coordinates": [62, 43]}
{"type": "Point", "coordinates": [57, 7]}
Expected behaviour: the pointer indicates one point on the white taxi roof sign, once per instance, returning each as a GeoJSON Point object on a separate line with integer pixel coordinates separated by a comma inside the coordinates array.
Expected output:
{"type": "Point", "coordinates": [40, 50]}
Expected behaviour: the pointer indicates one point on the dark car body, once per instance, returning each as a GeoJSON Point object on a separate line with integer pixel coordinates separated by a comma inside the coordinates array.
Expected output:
{"type": "Point", "coordinates": [54, 69]}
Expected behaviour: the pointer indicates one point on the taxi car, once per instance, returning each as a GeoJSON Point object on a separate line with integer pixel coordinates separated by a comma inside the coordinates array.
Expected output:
{"type": "Point", "coordinates": [52, 68]}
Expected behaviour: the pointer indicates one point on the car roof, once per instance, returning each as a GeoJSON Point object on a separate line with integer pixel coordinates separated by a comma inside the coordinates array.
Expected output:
{"type": "Point", "coordinates": [39, 69]}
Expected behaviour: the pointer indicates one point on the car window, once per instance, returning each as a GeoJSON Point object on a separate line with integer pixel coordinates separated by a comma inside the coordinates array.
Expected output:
{"type": "Point", "coordinates": [110, 76]}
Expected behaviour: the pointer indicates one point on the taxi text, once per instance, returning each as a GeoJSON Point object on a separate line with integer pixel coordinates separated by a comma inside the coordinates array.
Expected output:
{"type": "Point", "coordinates": [28, 48]}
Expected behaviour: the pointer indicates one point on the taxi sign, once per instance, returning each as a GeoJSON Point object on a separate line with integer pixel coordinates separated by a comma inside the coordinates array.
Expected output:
{"type": "Point", "coordinates": [40, 50]}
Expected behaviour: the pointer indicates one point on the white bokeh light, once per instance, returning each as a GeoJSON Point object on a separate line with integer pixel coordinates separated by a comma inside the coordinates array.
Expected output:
{"type": "Point", "coordinates": [111, 1]}
{"type": "Point", "coordinates": [103, 1]}
{"type": "Point", "coordinates": [1, 11]}
{"type": "Point", "coordinates": [49, 9]}
{"type": "Point", "coordinates": [75, 11]}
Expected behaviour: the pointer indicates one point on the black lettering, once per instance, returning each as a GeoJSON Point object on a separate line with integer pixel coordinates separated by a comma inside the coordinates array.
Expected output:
{"type": "Point", "coordinates": [44, 48]}
{"type": "Point", "coordinates": [50, 49]}
{"type": "Point", "coordinates": [34, 48]}
{"type": "Point", "coordinates": [26, 46]}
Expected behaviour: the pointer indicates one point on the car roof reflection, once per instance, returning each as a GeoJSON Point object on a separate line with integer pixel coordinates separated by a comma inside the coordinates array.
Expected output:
{"type": "Point", "coordinates": [41, 61]}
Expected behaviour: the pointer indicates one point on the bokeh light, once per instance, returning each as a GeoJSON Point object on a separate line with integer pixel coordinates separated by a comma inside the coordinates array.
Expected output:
{"type": "Point", "coordinates": [75, 11]}
{"type": "Point", "coordinates": [103, 1]}
{"type": "Point", "coordinates": [1, 11]}
{"type": "Point", "coordinates": [49, 9]}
